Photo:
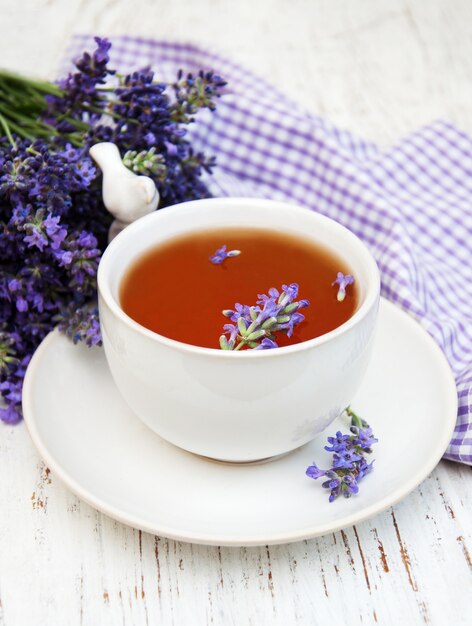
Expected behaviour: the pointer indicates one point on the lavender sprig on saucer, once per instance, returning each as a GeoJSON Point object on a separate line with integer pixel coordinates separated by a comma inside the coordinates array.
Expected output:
{"type": "Point", "coordinates": [349, 463]}
{"type": "Point", "coordinates": [254, 326]}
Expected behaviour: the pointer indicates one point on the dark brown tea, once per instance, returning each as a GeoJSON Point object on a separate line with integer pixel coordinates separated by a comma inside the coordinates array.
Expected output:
{"type": "Point", "coordinates": [177, 292]}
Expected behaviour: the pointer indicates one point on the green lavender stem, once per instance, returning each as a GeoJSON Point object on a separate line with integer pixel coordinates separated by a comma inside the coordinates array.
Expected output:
{"type": "Point", "coordinates": [356, 420]}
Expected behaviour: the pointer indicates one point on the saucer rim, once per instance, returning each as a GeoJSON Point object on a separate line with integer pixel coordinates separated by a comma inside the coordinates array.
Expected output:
{"type": "Point", "coordinates": [255, 539]}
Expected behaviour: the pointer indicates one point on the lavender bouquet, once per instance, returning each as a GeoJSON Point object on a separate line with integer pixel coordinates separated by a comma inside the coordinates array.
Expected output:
{"type": "Point", "coordinates": [53, 225]}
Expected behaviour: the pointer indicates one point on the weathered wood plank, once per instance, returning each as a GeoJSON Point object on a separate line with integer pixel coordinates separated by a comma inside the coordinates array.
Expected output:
{"type": "Point", "coordinates": [70, 560]}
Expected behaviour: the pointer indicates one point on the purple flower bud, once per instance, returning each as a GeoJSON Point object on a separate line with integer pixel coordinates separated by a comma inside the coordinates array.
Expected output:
{"type": "Point", "coordinates": [269, 310]}
{"type": "Point", "coordinates": [314, 472]}
{"type": "Point", "coordinates": [365, 438]}
{"type": "Point", "coordinates": [38, 302]}
{"type": "Point", "coordinates": [364, 468]}
{"type": "Point", "coordinates": [221, 254]}
{"type": "Point", "coordinates": [289, 293]}
{"type": "Point", "coordinates": [11, 414]}
{"type": "Point", "coordinates": [66, 258]}
{"type": "Point", "coordinates": [345, 458]}
{"type": "Point", "coordinates": [21, 304]}
{"type": "Point", "coordinates": [338, 443]}
{"type": "Point", "coordinates": [36, 239]}
{"type": "Point", "coordinates": [14, 285]}
{"type": "Point", "coordinates": [232, 330]}
{"type": "Point", "coordinates": [172, 149]}
{"type": "Point", "coordinates": [150, 139]}
{"type": "Point", "coordinates": [342, 282]}
{"type": "Point", "coordinates": [267, 344]}
{"type": "Point", "coordinates": [349, 485]}
{"type": "Point", "coordinates": [273, 295]}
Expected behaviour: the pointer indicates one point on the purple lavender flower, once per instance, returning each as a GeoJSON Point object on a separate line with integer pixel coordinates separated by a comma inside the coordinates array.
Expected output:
{"type": "Point", "coordinates": [315, 472]}
{"type": "Point", "coordinates": [80, 324]}
{"type": "Point", "coordinates": [266, 344]}
{"type": "Point", "coordinates": [288, 326]}
{"type": "Point", "coordinates": [334, 484]}
{"type": "Point", "coordinates": [195, 92]}
{"type": "Point", "coordinates": [364, 438]}
{"type": "Point", "coordinates": [56, 234]}
{"type": "Point", "coordinates": [10, 414]}
{"type": "Point", "coordinates": [338, 443]}
{"type": "Point", "coordinates": [349, 464]}
{"type": "Point", "coordinates": [289, 293]}
{"type": "Point", "coordinates": [229, 344]}
{"type": "Point", "coordinates": [346, 459]}
{"type": "Point", "coordinates": [254, 326]}
{"type": "Point", "coordinates": [53, 223]}
{"type": "Point", "coordinates": [364, 468]}
{"type": "Point", "coordinates": [79, 90]}
{"type": "Point", "coordinates": [349, 485]}
{"type": "Point", "coordinates": [273, 295]}
{"type": "Point", "coordinates": [241, 310]}
{"type": "Point", "coordinates": [342, 282]}
{"type": "Point", "coordinates": [221, 254]}
{"type": "Point", "coordinates": [36, 238]}
{"type": "Point", "coordinates": [340, 483]}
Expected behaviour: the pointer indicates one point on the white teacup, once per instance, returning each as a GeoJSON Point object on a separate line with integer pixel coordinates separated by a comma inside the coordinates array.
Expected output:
{"type": "Point", "coordinates": [236, 406]}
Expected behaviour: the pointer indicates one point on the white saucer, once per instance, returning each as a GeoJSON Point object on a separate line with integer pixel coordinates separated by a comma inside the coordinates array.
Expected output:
{"type": "Point", "coordinates": [103, 453]}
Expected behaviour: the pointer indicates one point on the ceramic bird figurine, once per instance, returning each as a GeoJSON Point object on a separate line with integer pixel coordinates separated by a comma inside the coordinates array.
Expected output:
{"type": "Point", "coordinates": [126, 195]}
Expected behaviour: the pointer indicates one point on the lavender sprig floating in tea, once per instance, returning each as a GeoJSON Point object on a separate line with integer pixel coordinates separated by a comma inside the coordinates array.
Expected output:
{"type": "Point", "coordinates": [221, 254]}
{"type": "Point", "coordinates": [343, 282]}
{"type": "Point", "coordinates": [349, 463]}
{"type": "Point", "coordinates": [255, 327]}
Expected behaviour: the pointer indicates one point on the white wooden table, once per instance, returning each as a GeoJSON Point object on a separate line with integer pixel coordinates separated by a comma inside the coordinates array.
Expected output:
{"type": "Point", "coordinates": [381, 69]}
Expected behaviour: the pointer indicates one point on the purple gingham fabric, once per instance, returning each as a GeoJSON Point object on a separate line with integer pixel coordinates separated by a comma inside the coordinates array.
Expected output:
{"type": "Point", "coordinates": [411, 204]}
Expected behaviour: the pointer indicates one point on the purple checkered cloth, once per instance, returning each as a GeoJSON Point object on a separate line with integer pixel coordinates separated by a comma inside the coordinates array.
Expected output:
{"type": "Point", "coordinates": [411, 204]}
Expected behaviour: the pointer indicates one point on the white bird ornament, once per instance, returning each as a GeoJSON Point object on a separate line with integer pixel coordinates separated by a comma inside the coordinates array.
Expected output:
{"type": "Point", "coordinates": [126, 195]}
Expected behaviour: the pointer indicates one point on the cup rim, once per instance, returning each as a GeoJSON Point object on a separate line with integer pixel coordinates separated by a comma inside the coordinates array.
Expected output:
{"type": "Point", "coordinates": [371, 297]}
